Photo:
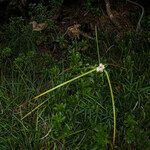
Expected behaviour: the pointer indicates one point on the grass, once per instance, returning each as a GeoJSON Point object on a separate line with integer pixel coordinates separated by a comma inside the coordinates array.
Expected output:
{"type": "Point", "coordinates": [80, 111]}
{"type": "Point", "coordinates": [79, 114]}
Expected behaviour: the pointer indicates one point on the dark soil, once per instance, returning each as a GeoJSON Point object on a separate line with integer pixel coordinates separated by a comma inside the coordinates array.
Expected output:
{"type": "Point", "coordinates": [68, 16]}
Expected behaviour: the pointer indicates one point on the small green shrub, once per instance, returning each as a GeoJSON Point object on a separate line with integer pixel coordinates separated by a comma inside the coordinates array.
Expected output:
{"type": "Point", "coordinates": [39, 13]}
{"type": "Point", "coordinates": [18, 35]}
{"type": "Point", "coordinates": [5, 52]}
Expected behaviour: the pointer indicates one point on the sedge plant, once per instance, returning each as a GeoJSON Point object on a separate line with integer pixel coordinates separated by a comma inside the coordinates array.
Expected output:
{"type": "Point", "coordinates": [101, 69]}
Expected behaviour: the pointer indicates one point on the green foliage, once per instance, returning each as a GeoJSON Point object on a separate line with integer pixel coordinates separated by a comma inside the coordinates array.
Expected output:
{"type": "Point", "coordinates": [101, 136]}
{"type": "Point", "coordinates": [134, 135]}
{"type": "Point", "coordinates": [19, 36]}
{"type": "Point", "coordinates": [5, 52]}
{"type": "Point", "coordinates": [39, 13]}
{"type": "Point", "coordinates": [78, 115]}
{"type": "Point", "coordinates": [130, 125]}
{"type": "Point", "coordinates": [74, 57]}
{"type": "Point", "coordinates": [88, 4]}
{"type": "Point", "coordinates": [56, 3]}
{"type": "Point", "coordinates": [24, 60]}
{"type": "Point", "coordinates": [146, 22]}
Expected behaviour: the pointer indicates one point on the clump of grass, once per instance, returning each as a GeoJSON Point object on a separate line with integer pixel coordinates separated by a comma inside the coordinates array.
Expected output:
{"type": "Point", "coordinates": [78, 114]}
{"type": "Point", "coordinates": [69, 81]}
{"type": "Point", "coordinates": [100, 68]}
{"type": "Point", "coordinates": [19, 35]}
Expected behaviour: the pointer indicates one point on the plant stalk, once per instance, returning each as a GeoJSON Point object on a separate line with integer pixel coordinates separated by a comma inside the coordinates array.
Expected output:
{"type": "Point", "coordinates": [113, 105]}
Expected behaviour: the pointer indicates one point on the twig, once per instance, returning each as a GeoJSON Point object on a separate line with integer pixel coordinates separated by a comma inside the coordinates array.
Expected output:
{"type": "Point", "coordinates": [86, 36]}
{"type": "Point", "coordinates": [113, 15]}
{"type": "Point", "coordinates": [142, 14]}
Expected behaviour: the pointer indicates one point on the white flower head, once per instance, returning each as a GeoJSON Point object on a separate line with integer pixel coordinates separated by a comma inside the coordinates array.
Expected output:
{"type": "Point", "coordinates": [100, 68]}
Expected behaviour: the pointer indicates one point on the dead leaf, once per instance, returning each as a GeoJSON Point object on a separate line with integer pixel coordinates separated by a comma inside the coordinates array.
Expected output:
{"type": "Point", "coordinates": [38, 26]}
{"type": "Point", "coordinates": [74, 31]}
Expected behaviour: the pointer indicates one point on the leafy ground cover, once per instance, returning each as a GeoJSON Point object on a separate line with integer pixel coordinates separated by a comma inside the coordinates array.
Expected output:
{"type": "Point", "coordinates": [77, 115]}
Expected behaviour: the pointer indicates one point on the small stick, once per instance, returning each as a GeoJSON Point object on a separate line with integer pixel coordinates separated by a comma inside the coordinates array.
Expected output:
{"type": "Point", "coordinates": [142, 14]}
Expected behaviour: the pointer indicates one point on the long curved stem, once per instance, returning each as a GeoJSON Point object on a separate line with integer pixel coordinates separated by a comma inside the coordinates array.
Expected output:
{"type": "Point", "coordinates": [113, 106]}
